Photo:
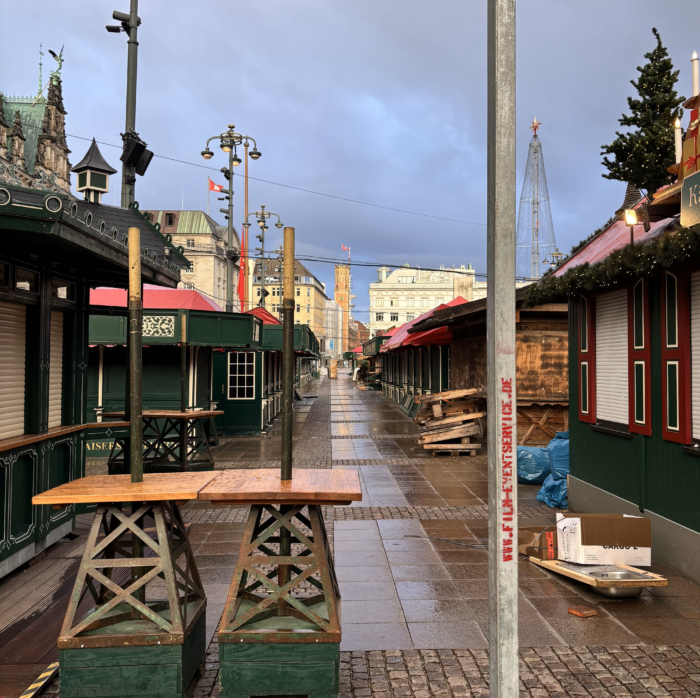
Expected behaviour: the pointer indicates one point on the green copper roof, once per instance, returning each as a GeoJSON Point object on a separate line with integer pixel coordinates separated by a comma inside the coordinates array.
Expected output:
{"type": "Point", "coordinates": [32, 118]}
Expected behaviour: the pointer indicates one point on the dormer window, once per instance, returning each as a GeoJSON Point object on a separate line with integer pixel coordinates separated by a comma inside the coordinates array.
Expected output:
{"type": "Point", "coordinates": [170, 221]}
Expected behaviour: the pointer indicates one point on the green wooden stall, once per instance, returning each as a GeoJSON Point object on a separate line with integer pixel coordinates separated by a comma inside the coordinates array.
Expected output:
{"type": "Point", "coordinates": [54, 249]}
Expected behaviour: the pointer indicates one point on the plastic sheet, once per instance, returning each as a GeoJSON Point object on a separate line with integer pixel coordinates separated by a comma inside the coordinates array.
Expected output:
{"type": "Point", "coordinates": [533, 465]}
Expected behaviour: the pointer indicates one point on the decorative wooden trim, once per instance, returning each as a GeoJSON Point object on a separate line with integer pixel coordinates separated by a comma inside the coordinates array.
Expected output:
{"type": "Point", "coordinates": [637, 355]}
{"type": "Point", "coordinates": [681, 354]}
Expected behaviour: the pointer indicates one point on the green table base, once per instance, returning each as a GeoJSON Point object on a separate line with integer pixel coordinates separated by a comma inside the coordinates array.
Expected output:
{"type": "Point", "coordinates": [136, 619]}
{"type": "Point", "coordinates": [164, 671]}
{"type": "Point", "coordinates": [276, 638]}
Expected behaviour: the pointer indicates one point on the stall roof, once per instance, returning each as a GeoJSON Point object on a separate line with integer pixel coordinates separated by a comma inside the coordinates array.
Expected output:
{"type": "Point", "coordinates": [266, 317]}
{"type": "Point", "coordinates": [155, 297]}
{"type": "Point", "coordinates": [400, 337]}
{"type": "Point", "coordinates": [613, 238]}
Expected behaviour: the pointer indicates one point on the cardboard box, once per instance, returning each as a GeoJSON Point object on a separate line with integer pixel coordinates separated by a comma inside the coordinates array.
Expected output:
{"type": "Point", "coordinates": [604, 539]}
{"type": "Point", "coordinates": [538, 541]}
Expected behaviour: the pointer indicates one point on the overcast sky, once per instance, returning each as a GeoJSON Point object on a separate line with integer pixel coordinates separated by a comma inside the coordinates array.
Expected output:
{"type": "Point", "coordinates": [383, 101]}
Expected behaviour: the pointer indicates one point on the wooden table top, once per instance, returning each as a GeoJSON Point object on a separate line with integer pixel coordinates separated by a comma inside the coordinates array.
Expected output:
{"type": "Point", "coordinates": [174, 414]}
{"type": "Point", "coordinates": [156, 487]}
{"type": "Point", "coordinates": [264, 486]}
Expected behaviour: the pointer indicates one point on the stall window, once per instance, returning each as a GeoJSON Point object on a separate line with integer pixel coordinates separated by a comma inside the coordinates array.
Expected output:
{"type": "Point", "coordinates": [675, 358]}
{"type": "Point", "coordinates": [639, 360]}
{"type": "Point", "coordinates": [241, 375]}
{"type": "Point", "coordinates": [586, 361]}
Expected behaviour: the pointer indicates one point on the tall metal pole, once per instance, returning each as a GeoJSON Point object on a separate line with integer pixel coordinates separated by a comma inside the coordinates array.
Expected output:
{"type": "Point", "coordinates": [229, 261]}
{"type": "Point", "coordinates": [263, 269]}
{"type": "Point", "coordinates": [135, 340]}
{"type": "Point", "coordinates": [503, 515]}
{"type": "Point", "coordinates": [244, 260]}
{"type": "Point", "coordinates": [128, 171]}
{"type": "Point", "coordinates": [287, 354]}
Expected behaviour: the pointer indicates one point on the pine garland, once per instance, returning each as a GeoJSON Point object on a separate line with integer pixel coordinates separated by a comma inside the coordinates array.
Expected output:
{"type": "Point", "coordinates": [622, 266]}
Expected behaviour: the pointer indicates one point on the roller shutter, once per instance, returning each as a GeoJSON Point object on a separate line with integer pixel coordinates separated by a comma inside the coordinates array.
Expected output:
{"type": "Point", "coordinates": [12, 368]}
{"type": "Point", "coordinates": [56, 369]}
{"type": "Point", "coordinates": [695, 350]}
{"type": "Point", "coordinates": [611, 347]}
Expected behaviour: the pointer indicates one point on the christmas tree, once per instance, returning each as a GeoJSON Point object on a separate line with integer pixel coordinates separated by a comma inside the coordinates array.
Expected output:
{"type": "Point", "coordinates": [643, 155]}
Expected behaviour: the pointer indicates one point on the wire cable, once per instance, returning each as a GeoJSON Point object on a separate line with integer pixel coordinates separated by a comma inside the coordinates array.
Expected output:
{"type": "Point", "coordinates": [290, 186]}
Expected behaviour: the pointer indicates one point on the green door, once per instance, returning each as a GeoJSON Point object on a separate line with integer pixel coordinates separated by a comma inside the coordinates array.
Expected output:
{"type": "Point", "coordinates": [218, 386]}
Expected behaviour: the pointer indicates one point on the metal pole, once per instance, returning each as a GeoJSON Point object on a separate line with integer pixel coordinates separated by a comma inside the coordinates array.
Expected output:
{"type": "Point", "coordinates": [503, 517]}
{"type": "Point", "coordinates": [229, 261]}
{"type": "Point", "coordinates": [183, 388]}
{"type": "Point", "coordinates": [135, 337]}
{"type": "Point", "coordinates": [262, 264]}
{"type": "Point", "coordinates": [287, 354]}
{"type": "Point", "coordinates": [129, 172]}
{"type": "Point", "coordinates": [244, 260]}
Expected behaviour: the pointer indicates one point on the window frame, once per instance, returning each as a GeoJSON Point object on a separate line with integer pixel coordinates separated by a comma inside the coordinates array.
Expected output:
{"type": "Point", "coordinates": [586, 356]}
{"type": "Point", "coordinates": [639, 354]}
{"type": "Point", "coordinates": [229, 375]}
{"type": "Point", "coordinates": [677, 353]}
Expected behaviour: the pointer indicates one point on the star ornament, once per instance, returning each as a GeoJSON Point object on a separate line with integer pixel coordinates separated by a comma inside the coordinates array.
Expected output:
{"type": "Point", "coordinates": [535, 125]}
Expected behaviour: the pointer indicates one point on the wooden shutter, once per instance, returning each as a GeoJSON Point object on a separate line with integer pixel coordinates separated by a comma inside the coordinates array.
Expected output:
{"type": "Point", "coordinates": [695, 350]}
{"type": "Point", "coordinates": [56, 369]}
{"type": "Point", "coordinates": [12, 369]}
{"type": "Point", "coordinates": [611, 369]}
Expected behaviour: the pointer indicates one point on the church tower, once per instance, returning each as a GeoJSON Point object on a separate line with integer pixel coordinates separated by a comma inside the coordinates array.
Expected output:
{"type": "Point", "coordinates": [341, 295]}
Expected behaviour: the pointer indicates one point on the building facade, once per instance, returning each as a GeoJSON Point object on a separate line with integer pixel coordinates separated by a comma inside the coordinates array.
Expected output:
{"type": "Point", "coordinates": [206, 246]}
{"type": "Point", "coordinates": [334, 330]}
{"type": "Point", "coordinates": [309, 296]}
{"type": "Point", "coordinates": [33, 148]}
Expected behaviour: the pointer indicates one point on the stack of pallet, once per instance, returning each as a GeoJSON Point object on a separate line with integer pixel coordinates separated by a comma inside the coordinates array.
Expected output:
{"type": "Point", "coordinates": [450, 422]}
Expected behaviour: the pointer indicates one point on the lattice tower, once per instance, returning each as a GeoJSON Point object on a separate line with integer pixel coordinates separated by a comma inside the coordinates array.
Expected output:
{"type": "Point", "coordinates": [535, 232]}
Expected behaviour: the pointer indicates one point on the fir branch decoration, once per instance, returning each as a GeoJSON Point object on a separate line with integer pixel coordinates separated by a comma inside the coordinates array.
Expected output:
{"type": "Point", "coordinates": [622, 266]}
{"type": "Point", "coordinates": [643, 155]}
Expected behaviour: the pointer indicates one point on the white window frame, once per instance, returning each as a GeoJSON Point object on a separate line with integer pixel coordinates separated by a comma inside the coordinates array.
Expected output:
{"type": "Point", "coordinates": [675, 280]}
{"type": "Point", "coordinates": [238, 374]}
{"type": "Point", "coordinates": [643, 421]}
{"type": "Point", "coordinates": [677, 428]}
{"type": "Point", "coordinates": [584, 383]}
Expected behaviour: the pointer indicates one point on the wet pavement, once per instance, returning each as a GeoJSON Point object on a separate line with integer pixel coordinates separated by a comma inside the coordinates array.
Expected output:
{"type": "Point", "coordinates": [413, 572]}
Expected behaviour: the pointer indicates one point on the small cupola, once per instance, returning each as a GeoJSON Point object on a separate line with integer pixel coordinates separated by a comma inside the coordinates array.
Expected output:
{"type": "Point", "coordinates": [93, 174]}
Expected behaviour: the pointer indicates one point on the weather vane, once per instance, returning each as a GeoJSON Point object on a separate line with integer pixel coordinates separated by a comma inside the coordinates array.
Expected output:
{"type": "Point", "coordinates": [535, 125]}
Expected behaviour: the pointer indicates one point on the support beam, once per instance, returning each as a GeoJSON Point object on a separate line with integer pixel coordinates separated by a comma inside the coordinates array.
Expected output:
{"type": "Point", "coordinates": [288, 354]}
{"type": "Point", "coordinates": [503, 563]}
{"type": "Point", "coordinates": [135, 342]}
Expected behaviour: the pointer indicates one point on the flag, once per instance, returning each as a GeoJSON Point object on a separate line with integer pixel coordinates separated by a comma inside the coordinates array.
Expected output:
{"type": "Point", "coordinates": [215, 187]}
{"type": "Point", "coordinates": [347, 249]}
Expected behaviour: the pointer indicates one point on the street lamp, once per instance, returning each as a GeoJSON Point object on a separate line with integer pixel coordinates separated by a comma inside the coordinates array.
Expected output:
{"type": "Point", "coordinates": [229, 141]}
{"type": "Point", "coordinates": [554, 258]}
{"type": "Point", "coordinates": [262, 216]}
{"type": "Point", "coordinates": [631, 221]}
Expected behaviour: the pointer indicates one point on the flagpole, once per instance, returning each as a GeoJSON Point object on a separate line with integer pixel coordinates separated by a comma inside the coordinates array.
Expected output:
{"type": "Point", "coordinates": [207, 196]}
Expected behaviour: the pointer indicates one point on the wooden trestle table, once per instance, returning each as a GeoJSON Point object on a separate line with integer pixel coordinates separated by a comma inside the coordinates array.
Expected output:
{"type": "Point", "coordinates": [167, 435]}
{"type": "Point", "coordinates": [280, 630]}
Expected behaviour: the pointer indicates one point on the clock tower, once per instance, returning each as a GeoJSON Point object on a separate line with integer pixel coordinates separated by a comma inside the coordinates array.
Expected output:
{"type": "Point", "coordinates": [342, 298]}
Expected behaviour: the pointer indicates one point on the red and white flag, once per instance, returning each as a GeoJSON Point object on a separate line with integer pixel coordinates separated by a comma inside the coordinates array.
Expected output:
{"type": "Point", "coordinates": [215, 187]}
{"type": "Point", "coordinates": [347, 249]}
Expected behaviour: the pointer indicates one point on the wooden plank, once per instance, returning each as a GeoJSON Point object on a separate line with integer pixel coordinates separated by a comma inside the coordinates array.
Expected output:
{"type": "Point", "coordinates": [54, 432]}
{"type": "Point", "coordinates": [466, 430]}
{"type": "Point", "coordinates": [319, 486]}
{"type": "Point", "coordinates": [650, 579]}
{"type": "Point", "coordinates": [259, 678]}
{"type": "Point", "coordinates": [156, 487]}
{"type": "Point", "coordinates": [457, 419]}
{"type": "Point", "coordinates": [174, 414]}
{"type": "Point", "coordinates": [282, 652]}
{"type": "Point", "coordinates": [135, 680]}
{"type": "Point", "coordinates": [537, 425]}
{"type": "Point", "coordinates": [437, 410]}
{"type": "Point", "coordinates": [452, 447]}
{"type": "Point", "coordinates": [446, 395]}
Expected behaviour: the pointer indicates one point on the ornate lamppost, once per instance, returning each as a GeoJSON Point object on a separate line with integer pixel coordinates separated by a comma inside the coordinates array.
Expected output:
{"type": "Point", "coordinates": [229, 141]}
{"type": "Point", "coordinates": [262, 216]}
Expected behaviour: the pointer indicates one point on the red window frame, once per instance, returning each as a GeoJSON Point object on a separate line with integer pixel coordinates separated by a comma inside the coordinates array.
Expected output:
{"type": "Point", "coordinates": [587, 356]}
{"type": "Point", "coordinates": [636, 355]}
{"type": "Point", "coordinates": [680, 354]}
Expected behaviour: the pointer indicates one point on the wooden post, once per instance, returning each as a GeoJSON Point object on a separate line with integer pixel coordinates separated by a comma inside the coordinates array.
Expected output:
{"type": "Point", "coordinates": [135, 341]}
{"type": "Point", "coordinates": [183, 387]}
{"type": "Point", "coordinates": [287, 354]}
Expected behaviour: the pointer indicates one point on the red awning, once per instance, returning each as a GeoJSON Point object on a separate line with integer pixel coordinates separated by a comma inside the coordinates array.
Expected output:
{"type": "Point", "coordinates": [437, 336]}
{"type": "Point", "coordinates": [266, 317]}
{"type": "Point", "coordinates": [357, 350]}
{"type": "Point", "coordinates": [401, 338]}
{"type": "Point", "coordinates": [155, 297]}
